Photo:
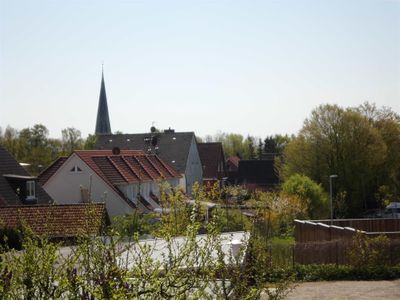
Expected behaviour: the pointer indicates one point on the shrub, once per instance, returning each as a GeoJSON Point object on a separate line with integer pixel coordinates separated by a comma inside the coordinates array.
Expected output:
{"type": "Point", "coordinates": [366, 252]}
{"type": "Point", "coordinates": [310, 192]}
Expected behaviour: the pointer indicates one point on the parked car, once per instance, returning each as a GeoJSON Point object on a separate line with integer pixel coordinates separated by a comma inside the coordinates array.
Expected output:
{"type": "Point", "coordinates": [392, 210]}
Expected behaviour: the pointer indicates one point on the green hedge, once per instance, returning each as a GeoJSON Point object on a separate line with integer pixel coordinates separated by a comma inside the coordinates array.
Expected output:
{"type": "Point", "coordinates": [333, 272]}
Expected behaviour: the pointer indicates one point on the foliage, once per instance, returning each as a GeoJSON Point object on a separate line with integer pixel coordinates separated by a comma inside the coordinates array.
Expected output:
{"type": "Point", "coordinates": [234, 193]}
{"type": "Point", "coordinates": [235, 144]}
{"type": "Point", "coordinates": [308, 191]}
{"type": "Point", "coordinates": [357, 144]}
{"type": "Point", "coordinates": [33, 146]}
{"type": "Point", "coordinates": [277, 211]}
{"type": "Point", "coordinates": [369, 252]}
{"type": "Point", "coordinates": [71, 140]}
{"type": "Point", "coordinates": [345, 272]}
{"type": "Point", "coordinates": [10, 238]}
{"type": "Point", "coordinates": [230, 220]}
{"type": "Point", "coordinates": [111, 268]}
{"type": "Point", "coordinates": [276, 143]}
{"type": "Point", "coordinates": [135, 223]}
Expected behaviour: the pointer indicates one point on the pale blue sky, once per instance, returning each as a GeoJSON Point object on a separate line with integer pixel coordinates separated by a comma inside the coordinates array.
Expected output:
{"type": "Point", "coordinates": [250, 67]}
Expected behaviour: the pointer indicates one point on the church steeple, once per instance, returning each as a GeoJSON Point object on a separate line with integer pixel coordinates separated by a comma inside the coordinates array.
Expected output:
{"type": "Point", "coordinates": [103, 120]}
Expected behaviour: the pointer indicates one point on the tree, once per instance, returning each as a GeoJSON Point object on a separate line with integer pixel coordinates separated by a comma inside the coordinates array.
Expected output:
{"type": "Point", "coordinates": [90, 142]}
{"type": "Point", "coordinates": [260, 150]}
{"type": "Point", "coordinates": [343, 142]}
{"type": "Point", "coordinates": [250, 151]}
{"type": "Point", "coordinates": [71, 140]}
{"type": "Point", "coordinates": [10, 140]}
{"type": "Point", "coordinates": [310, 192]}
{"type": "Point", "coordinates": [235, 144]}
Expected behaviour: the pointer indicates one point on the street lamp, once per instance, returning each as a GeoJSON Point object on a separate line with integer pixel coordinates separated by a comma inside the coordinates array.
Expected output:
{"type": "Point", "coordinates": [330, 192]}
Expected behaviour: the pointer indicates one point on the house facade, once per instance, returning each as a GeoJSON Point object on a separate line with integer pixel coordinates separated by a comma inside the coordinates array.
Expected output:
{"type": "Point", "coordinates": [123, 179]}
{"type": "Point", "coordinates": [178, 149]}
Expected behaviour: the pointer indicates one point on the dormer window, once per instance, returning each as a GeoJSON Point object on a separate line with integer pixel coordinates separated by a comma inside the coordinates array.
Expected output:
{"type": "Point", "coordinates": [30, 190]}
{"type": "Point", "coordinates": [75, 169]}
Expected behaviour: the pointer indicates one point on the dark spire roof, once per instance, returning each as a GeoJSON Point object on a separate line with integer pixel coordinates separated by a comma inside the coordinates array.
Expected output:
{"type": "Point", "coordinates": [103, 120]}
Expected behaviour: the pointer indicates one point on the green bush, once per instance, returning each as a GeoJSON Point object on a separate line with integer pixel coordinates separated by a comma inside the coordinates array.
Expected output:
{"type": "Point", "coordinates": [10, 238]}
{"type": "Point", "coordinates": [310, 192]}
{"type": "Point", "coordinates": [369, 252]}
{"type": "Point", "coordinates": [343, 272]}
{"type": "Point", "coordinates": [332, 272]}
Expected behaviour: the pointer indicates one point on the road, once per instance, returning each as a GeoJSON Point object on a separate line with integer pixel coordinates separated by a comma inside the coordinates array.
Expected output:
{"type": "Point", "coordinates": [360, 290]}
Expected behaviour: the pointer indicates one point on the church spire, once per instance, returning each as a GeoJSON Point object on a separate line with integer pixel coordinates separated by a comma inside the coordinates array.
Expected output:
{"type": "Point", "coordinates": [103, 120]}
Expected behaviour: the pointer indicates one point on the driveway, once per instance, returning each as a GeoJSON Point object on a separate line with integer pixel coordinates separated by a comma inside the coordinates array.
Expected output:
{"type": "Point", "coordinates": [360, 290]}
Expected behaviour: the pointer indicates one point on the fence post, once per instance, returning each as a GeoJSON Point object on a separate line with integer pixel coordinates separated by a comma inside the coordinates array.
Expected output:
{"type": "Point", "coordinates": [337, 254]}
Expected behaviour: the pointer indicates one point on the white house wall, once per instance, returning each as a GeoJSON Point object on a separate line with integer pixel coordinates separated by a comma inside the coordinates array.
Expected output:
{"type": "Point", "coordinates": [194, 170]}
{"type": "Point", "coordinates": [65, 187]}
{"type": "Point", "coordinates": [131, 190]}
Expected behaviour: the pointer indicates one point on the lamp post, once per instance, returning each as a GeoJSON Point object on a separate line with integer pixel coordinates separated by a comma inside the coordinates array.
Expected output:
{"type": "Point", "coordinates": [330, 193]}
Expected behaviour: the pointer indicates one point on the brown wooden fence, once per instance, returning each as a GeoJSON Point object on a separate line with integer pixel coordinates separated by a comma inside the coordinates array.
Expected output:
{"type": "Point", "coordinates": [337, 252]}
{"type": "Point", "coordinates": [326, 241]}
{"type": "Point", "coordinates": [368, 225]}
{"type": "Point", "coordinates": [324, 230]}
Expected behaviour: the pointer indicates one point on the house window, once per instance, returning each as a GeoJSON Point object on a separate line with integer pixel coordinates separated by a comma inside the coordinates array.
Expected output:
{"type": "Point", "coordinates": [75, 169]}
{"type": "Point", "coordinates": [30, 190]}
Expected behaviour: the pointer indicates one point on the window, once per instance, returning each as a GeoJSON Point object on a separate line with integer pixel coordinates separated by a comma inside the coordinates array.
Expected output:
{"type": "Point", "coordinates": [75, 169]}
{"type": "Point", "coordinates": [30, 190]}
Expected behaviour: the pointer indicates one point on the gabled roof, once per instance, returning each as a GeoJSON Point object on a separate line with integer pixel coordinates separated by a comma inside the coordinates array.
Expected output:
{"type": "Point", "coordinates": [9, 167]}
{"type": "Point", "coordinates": [172, 147]}
{"type": "Point", "coordinates": [66, 220]}
{"type": "Point", "coordinates": [211, 156]}
{"type": "Point", "coordinates": [50, 170]}
{"type": "Point", "coordinates": [103, 121]}
{"type": "Point", "coordinates": [129, 166]}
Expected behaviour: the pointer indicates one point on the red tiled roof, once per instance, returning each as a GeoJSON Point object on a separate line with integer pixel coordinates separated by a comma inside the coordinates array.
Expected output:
{"type": "Point", "coordinates": [50, 170]}
{"type": "Point", "coordinates": [67, 220]}
{"type": "Point", "coordinates": [212, 155]}
{"type": "Point", "coordinates": [130, 166]}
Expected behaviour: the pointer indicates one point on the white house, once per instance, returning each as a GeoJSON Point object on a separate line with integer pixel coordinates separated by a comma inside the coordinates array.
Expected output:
{"type": "Point", "coordinates": [123, 179]}
{"type": "Point", "coordinates": [179, 149]}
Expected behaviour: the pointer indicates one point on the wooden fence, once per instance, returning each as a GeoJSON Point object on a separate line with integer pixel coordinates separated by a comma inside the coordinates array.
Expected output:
{"type": "Point", "coordinates": [325, 230]}
{"type": "Point", "coordinates": [337, 252]}
{"type": "Point", "coordinates": [329, 241]}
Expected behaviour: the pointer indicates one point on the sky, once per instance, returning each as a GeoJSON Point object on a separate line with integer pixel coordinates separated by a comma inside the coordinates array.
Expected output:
{"type": "Point", "coordinates": [248, 67]}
